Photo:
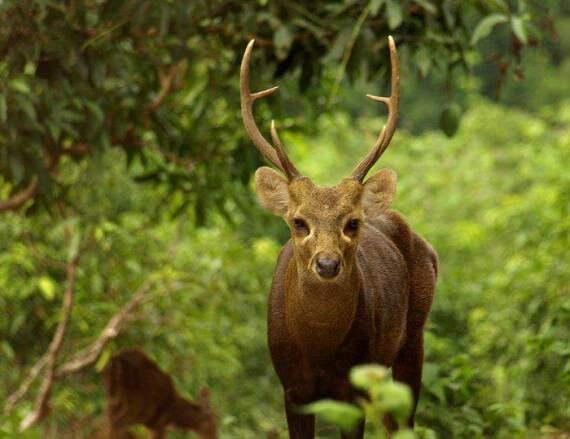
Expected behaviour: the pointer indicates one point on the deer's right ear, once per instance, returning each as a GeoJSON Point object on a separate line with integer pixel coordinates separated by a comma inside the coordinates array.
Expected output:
{"type": "Point", "coordinates": [379, 192]}
{"type": "Point", "coordinates": [272, 190]}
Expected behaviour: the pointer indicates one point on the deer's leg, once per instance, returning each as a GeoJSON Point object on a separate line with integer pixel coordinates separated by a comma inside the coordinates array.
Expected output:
{"type": "Point", "coordinates": [356, 434]}
{"type": "Point", "coordinates": [159, 433]}
{"type": "Point", "coordinates": [300, 426]}
{"type": "Point", "coordinates": [343, 390]}
{"type": "Point", "coordinates": [409, 363]}
{"type": "Point", "coordinates": [407, 369]}
{"type": "Point", "coordinates": [121, 433]}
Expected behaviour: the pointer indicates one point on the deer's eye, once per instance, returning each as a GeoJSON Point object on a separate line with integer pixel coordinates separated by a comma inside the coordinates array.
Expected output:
{"type": "Point", "coordinates": [352, 226]}
{"type": "Point", "coordinates": [301, 226]}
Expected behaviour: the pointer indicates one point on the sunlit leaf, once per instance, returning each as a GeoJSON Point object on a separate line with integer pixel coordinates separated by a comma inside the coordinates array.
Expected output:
{"type": "Point", "coordinates": [282, 39]}
{"type": "Point", "coordinates": [404, 434]}
{"type": "Point", "coordinates": [19, 85]}
{"type": "Point", "coordinates": [375, 6]}
{"type": "Point", "coordinates": [366, 376]}
{"type": "Point", "coordinates": [394, 13]}
{"type": "Point", "coordinates": [518, 28]}
{"type": "Point", "coordinates": [345, 416]}
{"type": "Point", "coordinates": [47, 287]}
{"type": "Point", "coordinates": [486, 25]}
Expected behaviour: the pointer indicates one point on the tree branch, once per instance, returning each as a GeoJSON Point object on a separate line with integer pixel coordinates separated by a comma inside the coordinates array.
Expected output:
{"type": "Point", "coordinates": [87, 356]}
{"type": "Point", "coordinates": [19, 199]}
{"type": "Point", "coordinates": [170, 79]}
{"type": "Point", "coordinates": [90, 354]}
{"type": "Point", "coordinates": [41, 403]}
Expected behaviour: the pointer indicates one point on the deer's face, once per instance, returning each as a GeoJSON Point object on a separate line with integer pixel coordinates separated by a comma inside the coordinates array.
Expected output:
{"type": "Point", "coordinates": [325, 222]}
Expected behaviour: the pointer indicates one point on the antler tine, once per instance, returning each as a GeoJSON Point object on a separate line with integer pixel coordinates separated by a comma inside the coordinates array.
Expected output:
{"type": "Point", "coordinates": [286, 165]}
{"type": "Point", "coordinates": [388, 130]}
{"type": "Point", "coordinates": [247, 100]}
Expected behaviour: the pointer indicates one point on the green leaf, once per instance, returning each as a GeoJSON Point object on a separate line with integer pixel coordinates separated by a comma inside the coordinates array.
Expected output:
{"type": "Point", "coordinates": [28, 108]}
{"type": "Point", "coordinates": [375, 6]}
{"type": "Point", "coordinates": [366, 376]}
{"type": "Point", "coordinates": [54, 130]}
{"type": "Point", "coordinates": [17, 168]}
{"type": "Point", "coordinates": [393, 398]}
{"type": "Point", "coordinates": [448, 8]}
{"type": "Point", "coordinates": [428, 6]}
{"type": "Point", "coordinates": [404, 434]}
{"type": "Point", "coordinates": [423, 60]}
{"type": "Point", "coordinates": [395, 14]}
{"type": "Point", "coordinates": [345, 416]}
{"type": "Point", "coordinates": [282, 39]}
{"type": "Point", "coordinates": [338, 46]}
{"type": "Point", "coordinates": [3, 109]}
{"type": "Point", "coordinates": [19, 85]}
{"type": "Point", "coordinates": [103, 360]}
{"type": "Point", "coordinates": [7, 350]}
{"type": "Point", "coordinates": [518, 29]}
{"type": "Point", "coordinates": [47, 287]}
{"type": "Point", "coordinates": [97, 112]}
{"type": "Point", "coordinates": [486, 25]}
{"type": "Point", "coordinates": [449, 119]}
{"type": "Point", "coordinates": [73, 249]}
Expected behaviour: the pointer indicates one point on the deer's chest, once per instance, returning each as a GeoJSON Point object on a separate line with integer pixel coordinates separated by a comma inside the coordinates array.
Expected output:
{"type": "Point", "coordinates": [332, 339]}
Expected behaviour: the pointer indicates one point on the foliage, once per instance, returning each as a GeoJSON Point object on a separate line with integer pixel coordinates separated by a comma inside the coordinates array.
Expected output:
{"type": "Point", "coordinates": [496, 350]}
{"type": "Point", "coordinates": [159, 81]}
{"type": "Point", "coordinates": [384, 397]}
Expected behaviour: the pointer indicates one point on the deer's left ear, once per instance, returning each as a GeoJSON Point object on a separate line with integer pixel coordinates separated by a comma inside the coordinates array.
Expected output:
{"type": "Point", "coordinates": [379, 192]}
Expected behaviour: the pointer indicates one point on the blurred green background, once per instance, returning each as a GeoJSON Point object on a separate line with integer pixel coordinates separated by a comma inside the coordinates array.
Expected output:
{"type": "Point", "coordinates": [121, 139]}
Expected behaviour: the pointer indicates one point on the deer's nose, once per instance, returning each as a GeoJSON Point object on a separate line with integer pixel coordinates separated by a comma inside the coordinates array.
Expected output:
{"type": "Point", "coordinates": [327, 266]}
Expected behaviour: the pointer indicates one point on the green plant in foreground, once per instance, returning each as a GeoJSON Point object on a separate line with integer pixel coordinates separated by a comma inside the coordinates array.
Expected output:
{"type": "Point", "coordinates": [384, 397]}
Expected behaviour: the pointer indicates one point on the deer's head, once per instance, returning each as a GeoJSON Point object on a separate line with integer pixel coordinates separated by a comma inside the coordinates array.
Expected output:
{"type": "Point", "coordinates": [324, 221]}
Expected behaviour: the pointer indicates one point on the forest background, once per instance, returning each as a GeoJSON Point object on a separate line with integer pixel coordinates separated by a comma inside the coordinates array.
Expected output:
{"type": "Point", "coordinates": [126, 182]}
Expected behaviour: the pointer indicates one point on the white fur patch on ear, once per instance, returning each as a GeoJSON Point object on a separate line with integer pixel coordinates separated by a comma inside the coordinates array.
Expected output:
{"type": "Point", "coordinates": [379, 192]}
{"type": "Point", "coordinates": [272, 190]}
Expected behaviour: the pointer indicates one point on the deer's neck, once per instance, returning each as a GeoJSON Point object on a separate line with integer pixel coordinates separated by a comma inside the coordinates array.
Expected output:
{"type": "Point", "coordinates": [320, 313]}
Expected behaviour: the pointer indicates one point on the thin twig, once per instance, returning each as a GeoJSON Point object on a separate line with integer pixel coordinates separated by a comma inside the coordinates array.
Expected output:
{"type": "Point", "coordinates": [18, 200]}
{"type": "Point", "coordinates": [13, 399]}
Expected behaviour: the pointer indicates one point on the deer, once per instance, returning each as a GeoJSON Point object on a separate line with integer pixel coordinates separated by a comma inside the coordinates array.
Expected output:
{"type": "Point", "coordinates": [354, 283]}
{"type": "Point", "coordinates": [139, 392]}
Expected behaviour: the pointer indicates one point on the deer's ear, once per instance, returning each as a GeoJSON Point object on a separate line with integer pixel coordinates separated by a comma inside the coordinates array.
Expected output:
{"type": "Point", "coordinates": [204, 397]}
{"type": "Point", "coordinates": [272, 190]}
{"type": "Point", "coordinates": [379, 192]}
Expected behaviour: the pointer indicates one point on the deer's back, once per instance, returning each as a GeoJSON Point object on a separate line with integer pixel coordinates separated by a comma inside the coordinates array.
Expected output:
{"type": "Point", "coordinates": [138, 392]}
{"type": "Point", "coordinates": [422, 265]}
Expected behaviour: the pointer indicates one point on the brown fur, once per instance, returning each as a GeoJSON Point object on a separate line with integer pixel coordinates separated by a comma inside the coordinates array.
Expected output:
{"type": "Point", "coordinates": [373, 311]}
{"type": "Point", "coordinates": [139, 392]}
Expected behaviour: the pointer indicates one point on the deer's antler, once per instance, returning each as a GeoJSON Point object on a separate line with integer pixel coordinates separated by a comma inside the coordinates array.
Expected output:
{"type": "Point", "coordinates": [275, 155]}
{"type": "Point", "coordinates": [387, 132]}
